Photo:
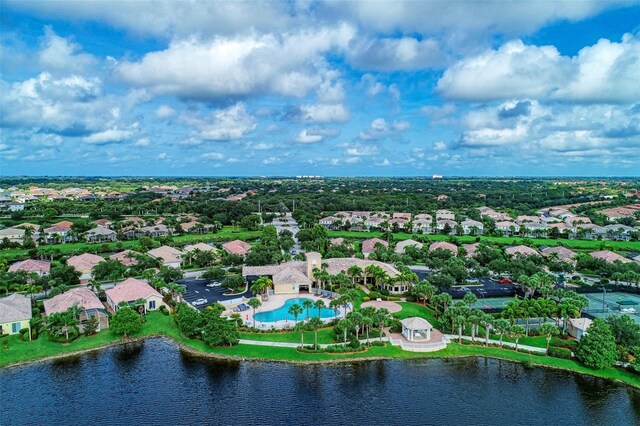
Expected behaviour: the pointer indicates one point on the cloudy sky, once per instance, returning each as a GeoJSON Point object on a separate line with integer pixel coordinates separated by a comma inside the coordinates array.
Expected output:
{"type": "Point", "coordinates": [327, 88]}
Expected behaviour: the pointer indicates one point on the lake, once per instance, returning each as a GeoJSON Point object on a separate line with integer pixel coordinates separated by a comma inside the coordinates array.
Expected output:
{"type": "Point", "coordinates": [154, 383]}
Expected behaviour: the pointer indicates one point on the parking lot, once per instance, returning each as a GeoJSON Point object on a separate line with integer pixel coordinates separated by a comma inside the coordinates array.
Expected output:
{"type": "Point", "coordinates": [485, 287]}
{"type": "Point", "coordinates": [197, 289]}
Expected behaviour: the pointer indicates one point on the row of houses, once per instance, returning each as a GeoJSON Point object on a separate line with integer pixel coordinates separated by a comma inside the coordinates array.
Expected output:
{"type": "Point", "coordinates": [168, 256]}
{"type": "Point", "coordinates": [16, 312]}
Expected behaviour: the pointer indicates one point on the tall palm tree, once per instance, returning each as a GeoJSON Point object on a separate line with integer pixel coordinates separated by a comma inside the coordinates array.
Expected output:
{"type": "Point", "coordinates": [548, 330]}
{"type": "Point", "coordinates": [254, 303]}
{"type": "Point", "coordinates": [307, 304]}
{"type": "Point", "coordinates": [319, 304]}
{"type": "Point", "coordinates": [502, 327]}
{"type": "Point", "coordinates": [315, 323]}
{"type": "Point", "coordinates": [486, 321]}
{"type": "Point", "coordinates": [295, 310]}
{"type": "Point", "coordinates": [355, 272]}
{"type": "Point", "coordinates": [335, 305]}
{"type": "Point", "coordinates": [381, 317]}
{"type": "Point", "coordinates": [516, 332]}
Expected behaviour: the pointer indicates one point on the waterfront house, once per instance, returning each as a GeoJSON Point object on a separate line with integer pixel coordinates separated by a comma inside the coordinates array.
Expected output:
{"type": "Point", "coordinates": [131, 290]}
{"type": "Point", "coordinates": [15, 313]}
{"type": "Point", "coordinates": [83, 298]}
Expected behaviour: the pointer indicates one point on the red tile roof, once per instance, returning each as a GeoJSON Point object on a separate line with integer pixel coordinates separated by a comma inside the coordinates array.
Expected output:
{"type": "Point", "coordinates": [369, 246]}
{"type": "Point", "coordinates": [31, 265]}
{"type": "Point", "coordinates": [237, 247]}
{"type": "Point", "coordinates": [130, 290]}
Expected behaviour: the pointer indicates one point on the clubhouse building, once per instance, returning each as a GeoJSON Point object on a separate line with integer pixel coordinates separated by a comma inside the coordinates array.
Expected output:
{"type": "Point", "coordinates": [298, 276]}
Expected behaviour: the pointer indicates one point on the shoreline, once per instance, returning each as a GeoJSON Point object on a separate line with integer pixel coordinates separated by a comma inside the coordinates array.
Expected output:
{"type": "Point", "coordinates": [225, 357]}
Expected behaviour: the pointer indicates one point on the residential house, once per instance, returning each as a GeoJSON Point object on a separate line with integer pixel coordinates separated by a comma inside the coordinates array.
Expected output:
{"type": "Point", "coordinates": [423, 225]}
{"type": "Point", "coordinates": [442, 224]}
{"type": "Point", "coordinates": [445, 215]}
{"type": "Point", "coordinates": [402, 245]}
{"type": "Point", "coordinates": [444, 246]}
{"type": "Point", "coordinates": [132, 290]}
{"type": "Point", "coordinates": [126, 257]}
{"type": "Point", "coordinates": [443, 197]}
{"type": "Point", "coordinates": [369, 246]}
{"type": "Point", "coordinates": [199, 246]}
{"type": "Point", "coordinates": [100, 234]}
{"type": "Point", "coordinates": [562, 253]}
{"type": "Point", "coordinates": [103, 222]}
{"type": "Point", "coordinates": [470, 226]}
{"type": "Point", "coordinates": [527, 219]}
{"type": "Point", "coordinates": [83, 298]}
{"type": "Point", "coordinates": [13, 235]}
{"type": "Point", "coordinates": [471, 249]}
{"type": "Point", "coordinates": [520, 250]}
{"type": "Point", "coordinates": [157, 230]}
{"type": "Point", "coordinates": [169, 256]}
{"type": "Point", "coordinates": [373, 222]}
{"type": "Point", "coordinates": [507, 227]}
{"type": "Point", "coordinates": [32, 266]}
{"type": "Point", "coordinates": [609, 256]}
{"type": "Point", "coordinates": [15, 313]}
{"type": "Point", "coordinates": [59, 232]}
{"type": "Point", "coordinates": [329, 222]}
{"type": "Point", "coordinates": [237, 247]}
{"type": "Point", "coordinates": [405, 216]}
{"type": "Point", "coordinates": [84, 264]}
{"type": "Point", "coordinates": [618, 232]}
{"type": "Point", "coordinates": [575, 220]}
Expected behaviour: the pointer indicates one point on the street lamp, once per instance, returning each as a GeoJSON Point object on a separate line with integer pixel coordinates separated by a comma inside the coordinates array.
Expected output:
{"type": "Point", "coordinates": [604, 294]}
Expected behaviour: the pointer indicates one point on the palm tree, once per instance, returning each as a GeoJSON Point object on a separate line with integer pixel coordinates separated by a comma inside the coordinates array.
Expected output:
{"type": "Point", "coordinates": [260, 285]}
{"type": "Point", "coordinates": [254, 303]}
{"type": "Point", "coordinates": [381, 317]}
{"type": "Point", "coordinates": [357, 320]}
{"type": "Point", "coordinates": [502, 326]}
{"type": "Point", "coordinates": [60, 323]}
{"type": "Point", "coordinates": [319, 305]}
{"type": "Point", "coordinates": [335, 305]}
{"type": "Point", "coordinates": [459, 321]}
{"type": "Point", "coordinates": [548, 330]}
{"type": "Point", "coordinates": [354, 271]}
{"type": "Point", "coordinates": [474, 320]}
{"type": "Point", "coordinates": [307, 304]}
{"type": "Point", "coordinates": [299, 327]}
{"type": "Point", "coordinates": [315, 323]}
{"type": "Point", "coordinates": [347, 324]}
{"type": "Point", "coordinates": [295, 310]}
{"type": "Point", "coordinates": [486, 321]}
{"type": "Point", "coordinates": [516, 332]}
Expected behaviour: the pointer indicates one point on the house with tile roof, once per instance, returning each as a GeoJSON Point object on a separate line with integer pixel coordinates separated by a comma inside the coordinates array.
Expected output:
{"type": "Point", "coordinates": [562, 253]}
{"type": "Point", "coordinates": [169, 256]}
{"type": "Point", "coordinates": [131, 290]}
{"type": "Point", "coordinates": [100, 234]}
{"type": "Point", "coordinates": [369, 245]}
{"type": "Point", "coordinates": [402, 245]}
{"type": "Point", "coordinates": [84, 264]}
{"type": "Point", "coordinates": [520, 250]}
{"type": "Point", "coordinates": [32, 266]}
{"type": "Point", "coordinates": [126, 257]}
{"type": "Point", "coordinates": [444, 246]}
{"type": "Point", "coordinates": [609, 256]}
{"type": "Point", "coordinates": [237, 247]}
{"type": "Point", "coordinates": [81, 297]}
{"type": "Point", "coordinates": [15, 313]}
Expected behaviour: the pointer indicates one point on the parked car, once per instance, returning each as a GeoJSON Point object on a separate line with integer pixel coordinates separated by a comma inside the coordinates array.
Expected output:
{"type": "Point", "coordinates": [505, 281]}
{"type": "Point", "coordinates": [214, 284]}
{"type": "Point", "coordinates": [472, 280]}
{"type": "Point", "coordinates": [199, 302]}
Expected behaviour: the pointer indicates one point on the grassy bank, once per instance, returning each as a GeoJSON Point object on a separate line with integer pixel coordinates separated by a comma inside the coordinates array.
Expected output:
{"type": "Point", "coordinates": [160, 325]}
{"type": "Point", "coordinates": [465, 239]}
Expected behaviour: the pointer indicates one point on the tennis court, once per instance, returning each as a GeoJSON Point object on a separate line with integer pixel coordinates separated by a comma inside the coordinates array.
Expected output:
{"type": "Point", "coordinates": [492, 302]}
{"type": "Point", "coordinates": [613, 302]}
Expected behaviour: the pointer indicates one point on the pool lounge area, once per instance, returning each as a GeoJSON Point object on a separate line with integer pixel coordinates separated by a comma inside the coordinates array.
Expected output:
{"type": "Point", "coordinates": [274, 313]}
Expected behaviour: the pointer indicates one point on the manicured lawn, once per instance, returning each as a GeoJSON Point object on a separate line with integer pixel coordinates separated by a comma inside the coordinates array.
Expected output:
{"type": "Point", "coordinates": [417, 310]}
{"type": "Point", "coordinates": [226, 234]}
{"type": "Point", "coordinates": [325, 335]}
{"type": "Point", "coordinates": [575, 244]}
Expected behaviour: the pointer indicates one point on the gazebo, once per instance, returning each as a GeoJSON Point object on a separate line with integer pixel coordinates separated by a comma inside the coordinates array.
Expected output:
{"type": "Point", "coordinates": [416, 329]}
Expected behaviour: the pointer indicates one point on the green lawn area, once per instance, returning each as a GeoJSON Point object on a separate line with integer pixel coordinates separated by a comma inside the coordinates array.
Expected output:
{"type": "Point", "coordinates": [417, 310]}
{"type": "Point", "coordinates": [575, 244]}
{"type": "Point", "coordinates": [325, 335]}
{"type": "Point", "coordinates": [158, 324]}
{"type": "Point", "coordinates": [228, 233]}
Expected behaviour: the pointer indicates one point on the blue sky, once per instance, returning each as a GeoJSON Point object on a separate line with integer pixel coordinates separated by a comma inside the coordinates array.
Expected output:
{"type": "Point", "coordinates": [321, 88]}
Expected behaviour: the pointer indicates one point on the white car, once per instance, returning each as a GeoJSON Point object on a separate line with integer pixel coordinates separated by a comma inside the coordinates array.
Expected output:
{"type": "Point", "coordinates": [628, 310]}
{"type": "Point", "coordinates": [472, 280]}
{"type": "Point", "coordinates": [199, 302]}
{"type": "Point", "coordinates": [214, 284]}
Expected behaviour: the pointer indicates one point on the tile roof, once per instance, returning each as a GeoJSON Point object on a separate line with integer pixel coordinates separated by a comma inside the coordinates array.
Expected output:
{"type": "Point", "coordinates": [522, 250]}
{"type": "Point", "coordinates": [416, 323]}
{"type": "Point", "coordinates": [369, 246]}
{"type": "Point", "coordinates": [166, 254]}
{"type": "Point", "coordinates": [445, 246]}
{"type": "Point", "coordinates": [402, 245]}
{"type": "Point", "coordinates": [81, 297]}
{"type": "Point", "coordinates": [15, 308]}
{"type": "Point", "coordinates": [563, 252]}
{"type": "Point", "coordinates": [609, 256]}
{"type": "Point", "coordinates": [237, 247]}
{"type": "Point", "coordinates": [130, 290]}
{"type": "Point", "coordinates": [199, 246]}
{"type": "Point", "coordinates": [125, 257]}
{"type": "Point", "coordinates": [31, 265]}
{"type": "Point", "coordinates": [84, 261]}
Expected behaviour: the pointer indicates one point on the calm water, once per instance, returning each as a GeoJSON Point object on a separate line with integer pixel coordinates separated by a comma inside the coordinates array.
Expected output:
{"type": "Point", "coordinates": [153, 383]}
{"type": "Point", "coordinates": [282, 313]}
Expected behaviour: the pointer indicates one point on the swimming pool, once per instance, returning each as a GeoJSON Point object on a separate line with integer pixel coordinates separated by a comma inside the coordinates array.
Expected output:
{"type": "Point", "coordinates": [282, 312]}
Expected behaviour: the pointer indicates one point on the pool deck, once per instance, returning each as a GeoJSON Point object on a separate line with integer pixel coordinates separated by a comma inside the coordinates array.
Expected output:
{"type": "Point", "coordinates": [277, 301]}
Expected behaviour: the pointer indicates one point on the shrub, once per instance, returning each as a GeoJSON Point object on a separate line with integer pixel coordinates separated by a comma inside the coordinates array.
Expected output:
{"type": "Point", "coordinates": [366, 298]}
{"type": "Point", "coordinates": [377, 343]}
{"type": "Point", "coordinates": [395, 326]}
{"type": "Point", "coordinates": [164, 310]}
{"type": "Point", "coordinates": [384, 292]}
{"type": "Point", "coordinates": [374, 295]}
{"type": "Point", "coordinates": [559, 352]}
